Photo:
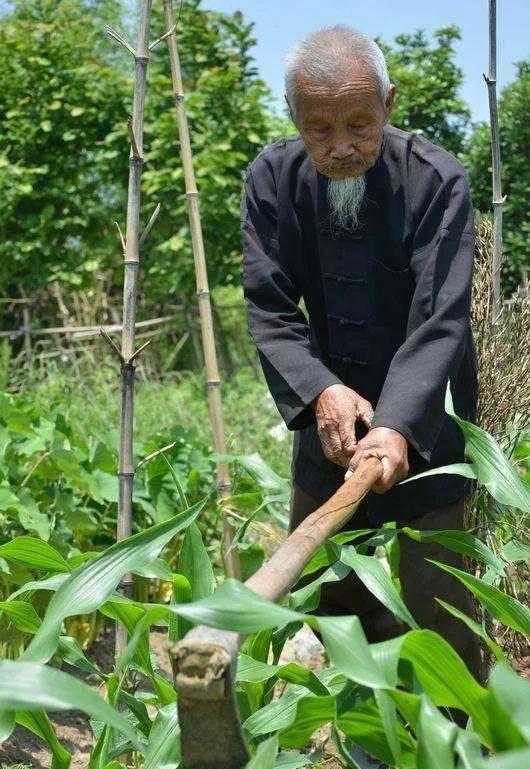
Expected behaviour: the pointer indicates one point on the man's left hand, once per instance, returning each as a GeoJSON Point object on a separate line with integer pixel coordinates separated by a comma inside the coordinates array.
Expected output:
{"type": "Point", "coordinates": [391, 448]}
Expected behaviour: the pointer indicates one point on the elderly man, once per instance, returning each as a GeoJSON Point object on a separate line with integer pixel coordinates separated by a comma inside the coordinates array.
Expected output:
{"type": "Point", "coordinates": [373, 227]}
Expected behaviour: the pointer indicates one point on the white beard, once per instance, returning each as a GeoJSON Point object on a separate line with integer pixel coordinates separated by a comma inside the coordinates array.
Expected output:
{"type": "Point", "coordinates": [345, 197]}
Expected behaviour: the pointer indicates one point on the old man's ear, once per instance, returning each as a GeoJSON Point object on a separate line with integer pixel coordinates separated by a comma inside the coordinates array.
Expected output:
{"type": "Point", "coordinates": [389, 102]}
{"type": "Point", "coordinates": [291, 111]}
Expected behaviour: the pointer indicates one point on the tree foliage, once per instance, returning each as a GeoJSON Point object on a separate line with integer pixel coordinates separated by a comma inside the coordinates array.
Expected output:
{"type": "Point", "coordinates": [229, 118]}
{"type": "Point", "coordinates": [514, 108]}
{"type": "Point", "coordinates": [427, 81]}
{"type": "Point", "coordinates": [60, 95]}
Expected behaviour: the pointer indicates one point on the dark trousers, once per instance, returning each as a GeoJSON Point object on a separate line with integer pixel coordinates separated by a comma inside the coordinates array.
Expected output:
{"type": "Point", "coordinates": [421, 582]}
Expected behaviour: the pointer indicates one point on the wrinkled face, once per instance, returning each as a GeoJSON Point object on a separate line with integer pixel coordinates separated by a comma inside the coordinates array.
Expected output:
{"type": "Point", "coordinates": [341, 122]}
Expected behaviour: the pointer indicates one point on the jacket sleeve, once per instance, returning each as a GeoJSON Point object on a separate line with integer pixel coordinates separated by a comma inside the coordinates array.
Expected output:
{"type": "Point", "coordinates": [412, 399]}
{"type": "Point", "coordinates": [295, 375]}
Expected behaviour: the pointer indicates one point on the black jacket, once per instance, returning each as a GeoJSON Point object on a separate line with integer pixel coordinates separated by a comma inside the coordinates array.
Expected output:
{"type": "Point", "coordinates": [387, 304]}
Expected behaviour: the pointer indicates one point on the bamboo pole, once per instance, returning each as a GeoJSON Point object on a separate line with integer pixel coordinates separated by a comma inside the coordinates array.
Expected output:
{"type": "Point", "coordinates": [498, 199]}
{"type": "Point", "coordinates": [203, 294]}
{"type": "Point", "coordinates": [131, 248]}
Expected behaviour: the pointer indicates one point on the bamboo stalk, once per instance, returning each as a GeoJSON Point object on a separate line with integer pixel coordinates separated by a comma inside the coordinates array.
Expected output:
{"type": "Point", "coordinates": [203, 294]}
{"type": "Point", "coordinates": [131, 263]}
{"type": "Point", "coordinates": [498, 199]}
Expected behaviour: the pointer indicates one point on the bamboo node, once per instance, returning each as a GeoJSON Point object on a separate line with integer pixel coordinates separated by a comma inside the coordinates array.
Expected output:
{"type": "Point", "coordinates": [222, 487]}
{"type": "Point", "coordinates": [499, 202]}
{"type": "Point", "coordinates": [190, 195]}
{"type": "Point", "coordinates": [213, 383]}
{"type": "Point", "coordinates": [178, 97]}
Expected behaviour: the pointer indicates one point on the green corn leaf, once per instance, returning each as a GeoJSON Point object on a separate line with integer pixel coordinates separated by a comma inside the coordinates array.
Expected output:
{"type": "Point", "coordinates": [35, 553]}
{"type": "Point", "coordinates": [307, 598]}
{"type": "Point", "coordinates": [38, 722]}
{"type": "Point", "coordinates": [458, 468]}
{"type": "Point", "coordinates": [436, 738]}
{"type": "Point", "coordinates": [291, 760]}
{"type": "Point", "coordinates": [475, 627]}
{"type": "Point", "coordinates": [50, 583]}
{"type": "Point", "coordinates": [195, 565]}
{"type": "Point", "coordinates": [459, 542]}
{"type": "Point", "coordinates": [94, 581]}
{"type": "Point", "coordinates": [276, 715]}
{"type": "Point", "coordinates": [488, 464]}
{"type": "Point", "coordinates": [373, 575]}
{"type": "Point", "coordinates": [235, 607]}
{"type": "Point", "coordinates": [30, 686]}
{"type": "Point", "coordinates": [447, 682]}
{"type": "Point", "coordinates": [503, 607]}
{"type": "Point", "coordinates": [181, 593]}
{"type": "Point", "coordinates": [363, 725]}
{"type": "Point", "coordinates": [163, 748]}
{"type": "Point", "coordinates": [265, 756]}
{"type": "Point", "coordinates": [513, 692]}
{"type": "Point", "coordinates": [311, 714]}
{"type": "Point", "coordinates": [349, 651]}
{"type": "Point", "coordinates": [516, 552]}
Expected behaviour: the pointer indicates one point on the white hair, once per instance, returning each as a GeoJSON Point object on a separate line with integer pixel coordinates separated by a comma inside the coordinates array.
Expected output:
{"type": "Point", "coordinates": [325, 54]}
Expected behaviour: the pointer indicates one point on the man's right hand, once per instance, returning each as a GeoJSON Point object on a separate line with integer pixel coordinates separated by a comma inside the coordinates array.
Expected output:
{"type": "Point", "coordinates": [337, 409]}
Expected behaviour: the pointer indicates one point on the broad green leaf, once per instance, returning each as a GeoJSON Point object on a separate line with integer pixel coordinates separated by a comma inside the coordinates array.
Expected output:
{"type": "Point", "coordinates": [459, 542]}
{"type": "Point", "coordinates": [516, 552]}
{"type": "Point", "coordinates": [307, 598]}
{"type": "Point", "coordinates": [195, 565]}
{"type": "Point", "coordinates": [475, 627]}
{"type": "Point", "coordinates": [311, 713]}
{"type": "Point", "coordinates": [163, 748]}
{"type": "Point", "coordinates": [436, 738]}
{"type": "Point", "coordinates": [513, 692]}
{"type": "Point", "coordinates": [35, 553]}
{"type": "Point", "coordinates": [291, 760]}
{"type": "Point", "coordinates": [22, 615]}
{"type": "Point", "coordinates": [50, 583]}
{"type": "Point", "coordinates": [70, 652]}
{"type": "Point", "coordinates": [30, 686]}
{"type": "Point", "coordinates": [349, 651]}
{"type": "Point", "coordinates": [38, 723]}
{"type": "Point", "coordinates": [235, 607]}
{"type": "Point", "coordinates": [276, 715]}
{"type": "Point", "coordinates": [364, 727]}
{"type": "Point", "coordinates": [93, 582]}
{"type": "Point", "coordinates": [446, 681]}
{"type": "Point", "coordinates": [181, 593]}
{"type": "Point", "coordinates": [492, 468]}
{"type": "Point", "coordinates": [265, 756]}
{"type": "Point", "coordinates": [503, 607]}
{"type": "Point", "coordinates": [373, 575]}
{"type": "Point", "coordinates": [458, 468]}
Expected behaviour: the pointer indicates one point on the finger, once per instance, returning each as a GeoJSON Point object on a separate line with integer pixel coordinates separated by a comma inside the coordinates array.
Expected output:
{"type": "Point", "coordinates": [347, 436]}
{"type": "Point", "coordinates": [387, 479]}
{"type": "Point", "coordinates": [332, 446]}
{"type": "Point", "coordinates": [366, 413]}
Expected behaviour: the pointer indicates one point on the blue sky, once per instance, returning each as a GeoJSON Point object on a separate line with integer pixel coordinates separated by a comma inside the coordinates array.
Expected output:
{"type": "Point", "coordinates": [279, 23]}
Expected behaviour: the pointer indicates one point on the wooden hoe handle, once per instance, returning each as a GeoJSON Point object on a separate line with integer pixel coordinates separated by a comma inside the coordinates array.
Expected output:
{"type": "Point", "coordinates": [205, 660]}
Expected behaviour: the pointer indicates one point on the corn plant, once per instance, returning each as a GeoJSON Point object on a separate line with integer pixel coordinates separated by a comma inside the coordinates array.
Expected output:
{"type": "Point", "coordinates": [394, 699]}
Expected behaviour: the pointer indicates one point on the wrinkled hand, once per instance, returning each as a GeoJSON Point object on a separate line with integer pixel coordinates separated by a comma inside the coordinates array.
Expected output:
{"type": "Point", "coordinates": [391, 448]}
{"type": "Point", "coordinates": [337, 409]}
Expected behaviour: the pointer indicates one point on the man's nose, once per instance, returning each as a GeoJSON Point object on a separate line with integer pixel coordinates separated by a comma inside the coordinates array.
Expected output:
{"type": "Point", "coordinates": [342, 148]}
